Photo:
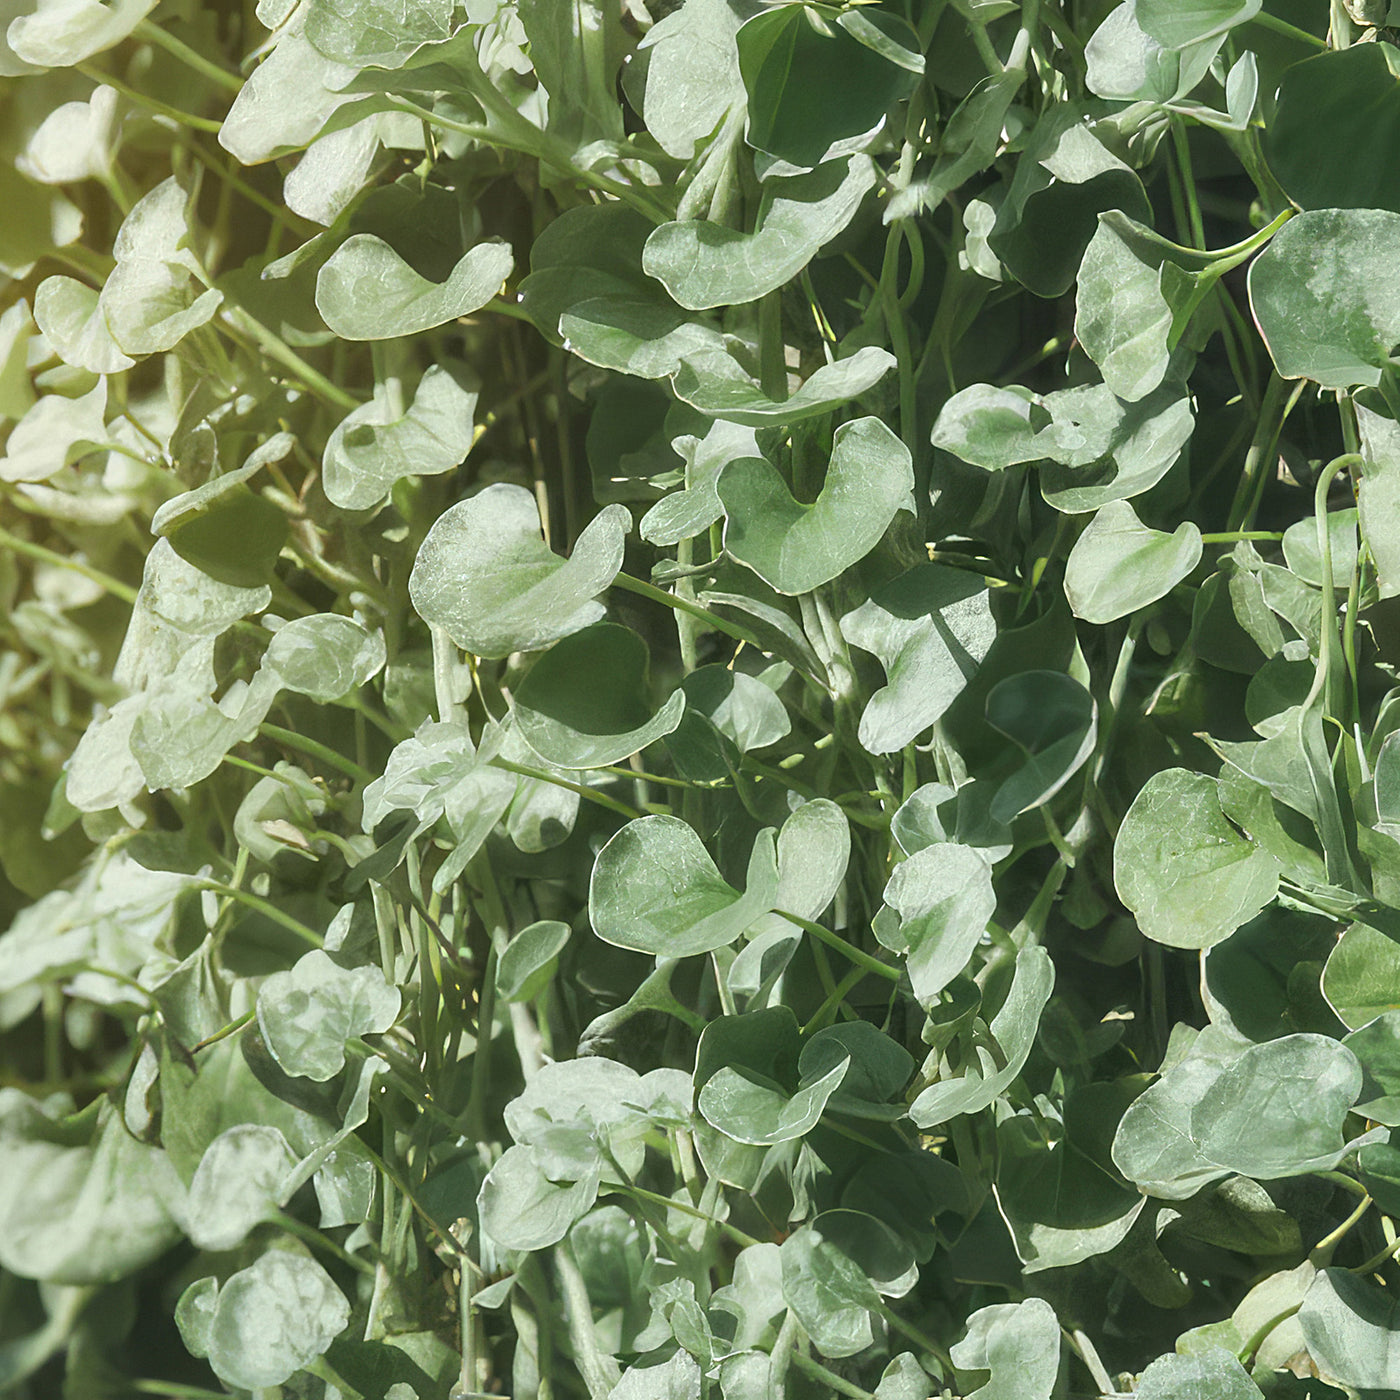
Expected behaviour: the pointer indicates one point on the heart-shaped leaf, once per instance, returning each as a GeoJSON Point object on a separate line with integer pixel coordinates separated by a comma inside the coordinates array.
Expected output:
{"type": "Point", "coordinates": [1119, 565]}
{"type": "Point", "coordinates": [655, 890]}
{"type": "Point", "coordinates": [584, 705]}
{"type": "Point", "coordinates": [366, 291]}
{"type": "Point", "coordinates": [747, 1110]}
{"type": "Point", "coordinates": [795, 547]}
{"type": "Point", "coordinates": [930, 627]}
{"type": "Point", "coordinates": [704, 264]}
{"type": "Point", "coordinates": [485, 576]}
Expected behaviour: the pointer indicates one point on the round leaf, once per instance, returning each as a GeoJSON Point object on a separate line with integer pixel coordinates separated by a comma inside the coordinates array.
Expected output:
{"type": "Point", "coordinates": [273, 1318]}
{"type": "Point", "coordinates": [1186, 873]}
{"type": "Point", "coordinates": [524, 969]}
{"type": "Point", "coordinates": [1324, 298]}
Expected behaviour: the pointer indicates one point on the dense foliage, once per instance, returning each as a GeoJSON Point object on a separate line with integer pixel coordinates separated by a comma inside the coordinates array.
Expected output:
{"type": "Point", "coordinates": [700, 699]}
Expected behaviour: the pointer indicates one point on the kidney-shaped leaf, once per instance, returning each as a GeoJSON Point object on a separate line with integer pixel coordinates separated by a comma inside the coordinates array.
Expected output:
{"type": "Point", "coordinates": [583, 705]}
{"type": "Point", "coordinates": [1019, 1343]}
{"type": "Point", "coordinates": [371, 449]}
{"type": "Point", "coordinates": [930, 627]}
{"type": "Point", "coordinates": [1350, 1327]}
{"type": "Point", "coordinates": [655, 890]}
{"type": "Point", "coordinates": [366, 291]}
{"type": "Point", "coordinates": [1119, 565]}
{"type": "Point", "coordinates": [308, 1014]}
{"type": "Point", "coordinates": [527, 964]}
{"type": "Point", "coordinates": [237, 1184]}
{"type": "Point", "coordinates": [270, 1320]}
{"type": "Point", "coordinates": [486, 577]}
{"type": "Point", "coordinates": [944, 897]}
{"type": "Point", "coordinates": [748, 1110]}
{"type": "Point", "coordinates": [717, 384]}
{"type": "Point", "coordinates": [1275, 1111]}
{"type": "Point", "coordinates": [705, 264]}
{"type": "Point", "coordinates": [796, 547]}
{"type": "Point", "coordinates": [1186, 873]}
{"type": "Point", "coordinates": [1324, 297]}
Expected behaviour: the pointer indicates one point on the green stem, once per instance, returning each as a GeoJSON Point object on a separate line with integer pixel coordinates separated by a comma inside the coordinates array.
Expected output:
{"type": "Point", "coordinates": [599, 1370]}
{"type": "Point", "coordinates": [265, 907]}
{"type": "Point", "coordinates": [1322, 677]}
{"type": "Point", "coordinates": [1233, 536]}
{"type": "Point", "coordinates": [739, 1236]}
{"type": "Point", "coordinates": [177, 48]}
{"type": "Point", "coordinates": [847, 950]}
{"type": "Point", "coordinates": [670, 600]}
{"type": "Point", "coordinates": [1261, 1334]}
{"type": "Point", "coordinates": [317, 1240]}
{"type": "Point", "coordinates": [1324, 1249]}
{"type": "Point", "coordinates": [1278, 399]}
{"type": "Point", "coordinates": [1379, 1258]}
{"type": "Point", "coordinates": [592, 794]}
{"type": "Point", "coordinates": [771, 350]}
{"type": "Point", "coordinates": [829, 1378]}
{"type": "Point", "coordinates": [232, 1028]}
{"type": "Point", "coordinates": [313, 748]}
{"type": "Point", "coordinates": [114, 586]}
{"type": "Point", "coordinates": [1281, 26]}
{"type": "Point", "coordinates": [151, 104]}
{"type": "Point", "coordinates": [276, 349]}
